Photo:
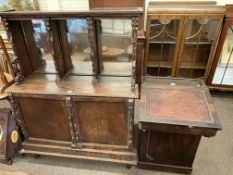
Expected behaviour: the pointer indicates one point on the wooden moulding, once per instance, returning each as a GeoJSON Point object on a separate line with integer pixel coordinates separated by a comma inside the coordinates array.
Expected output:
{"type": "Point", "coordinates": [229, 11]}
{"type": "Point", "coordinates": [185, 7]}
{"type": "Point", "coordinates": [103, 13]}
{"type": "Point", "coordinates": [122, 157]}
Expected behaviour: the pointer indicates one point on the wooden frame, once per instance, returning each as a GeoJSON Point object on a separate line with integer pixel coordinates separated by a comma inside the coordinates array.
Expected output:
{"type": "Point", "coordinates": [227, 22]}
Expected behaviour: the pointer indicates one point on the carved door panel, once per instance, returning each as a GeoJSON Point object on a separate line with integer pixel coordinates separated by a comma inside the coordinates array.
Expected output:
{"type": "Point", "coordinates": [102, 122]}
{"type": "Point", "coordinates": [44, 118]}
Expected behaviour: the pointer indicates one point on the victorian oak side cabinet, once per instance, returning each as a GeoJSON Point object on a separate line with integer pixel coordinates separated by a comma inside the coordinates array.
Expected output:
{"type": "Point", "coordinates": [173, 114]}
{"type": "Point", "coordinates": [76, 101]}
{"type": "Point", "coordinates": [221, 73]}
{"type": "Point", "coordinates": [181, 38]}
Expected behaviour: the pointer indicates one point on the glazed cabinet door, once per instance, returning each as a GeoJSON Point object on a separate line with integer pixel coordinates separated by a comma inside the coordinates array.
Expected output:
{"type": "Point", "coordinates": [221, 74]}
{"type": "Point", "coordinates": [162, 44]}
{"type": "Point", "coordinates": [198, 45]}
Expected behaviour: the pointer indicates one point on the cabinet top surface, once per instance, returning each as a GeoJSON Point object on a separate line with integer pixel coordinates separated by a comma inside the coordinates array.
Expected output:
{"type": "Point", "coordinates": [178, 102]}
{"type": "Point", "coordinates": [183, 7]}
{"type": "Point", "coordinates": [103, 12]}
{"type": "Point", "coordinates": [48, 84]}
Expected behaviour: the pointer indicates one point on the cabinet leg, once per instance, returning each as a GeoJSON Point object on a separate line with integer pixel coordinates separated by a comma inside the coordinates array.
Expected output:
{"type": "Point", "coordinates": [128, 166]}
{"type": "Point", "coordinates": [36, 156]}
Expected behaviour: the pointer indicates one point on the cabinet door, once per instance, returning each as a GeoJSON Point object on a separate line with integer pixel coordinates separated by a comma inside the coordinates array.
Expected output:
{"type": "Point", "coordinates": [163, 38]}
{"type": "Point", "coordinates": [221, 73]}
{"type": "Point", "coordinates": [44, 118]}
{"type": "Point", "coordinates": [168, 148]}
{"type": "Point", "coordinates": [102, 122]}
{"type": "Point", "coordinates": [199, 42]}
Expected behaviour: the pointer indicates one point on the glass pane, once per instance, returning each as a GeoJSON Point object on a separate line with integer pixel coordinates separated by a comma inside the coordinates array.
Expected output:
{"type": "Point", "coordinates": [116, 42]}
{"type": "Point", "coordinates": [42, 42]}
{"type": "Point", "coordinates": [197, 47]}
{"type": "Point", "coordinates": [162, 47]}
{"type": "Point", "coordinates": [80, 48]}
{"type": "Point", "coordinates": [224, 70]}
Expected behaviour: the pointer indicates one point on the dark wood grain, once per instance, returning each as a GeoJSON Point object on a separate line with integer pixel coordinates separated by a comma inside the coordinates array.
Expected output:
{"type": "Point", "coordinates": [34, 52]}
{"type": "Point", "coordinates": [49, 119]}
{"type": "Point", "coordinates": [20, 46]}
{"type": "Point", "coordinates": [168, 148]}
{"type": "Point", "coordinates": [99, 125]}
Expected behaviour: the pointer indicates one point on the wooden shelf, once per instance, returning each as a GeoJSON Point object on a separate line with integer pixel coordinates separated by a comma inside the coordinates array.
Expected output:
{"type": "Point", "coordinates": [48, 84]}
{"type": "Point", "coordinates": [174, 42]}
{"type": "Point", "coordinates": [193, 65]}
{"type": "Point", "coordinates": [165, 64]}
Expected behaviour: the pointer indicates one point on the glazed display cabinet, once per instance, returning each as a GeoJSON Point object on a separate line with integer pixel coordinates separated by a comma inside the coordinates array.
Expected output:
{"type": "Point", "coordinates": [181, 38]}
{"type": "Point", "coordinates": [76, 82]}
{"type": "Point", "coordinates": [221, 74]}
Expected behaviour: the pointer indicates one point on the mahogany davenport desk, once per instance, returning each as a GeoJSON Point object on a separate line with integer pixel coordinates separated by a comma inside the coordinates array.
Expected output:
{"type": "Point", "coordinates": [174, 114]}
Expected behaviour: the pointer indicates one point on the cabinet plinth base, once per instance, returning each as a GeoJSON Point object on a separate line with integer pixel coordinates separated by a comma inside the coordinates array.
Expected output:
{"type": "Point", "coordinates": [122, 157]}
{"type": "Point", "coordinates": [166, 168]}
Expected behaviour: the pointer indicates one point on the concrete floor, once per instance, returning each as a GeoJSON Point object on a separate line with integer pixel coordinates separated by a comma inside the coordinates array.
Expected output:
{"type": "Point", "coordinates": [214, 156]}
